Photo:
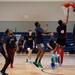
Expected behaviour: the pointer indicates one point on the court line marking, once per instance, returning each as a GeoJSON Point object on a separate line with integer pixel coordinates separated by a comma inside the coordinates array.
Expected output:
{"type": "Point", "coordinates": [43, 70]}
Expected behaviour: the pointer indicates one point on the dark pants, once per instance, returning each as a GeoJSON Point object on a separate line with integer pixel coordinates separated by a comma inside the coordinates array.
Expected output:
{"type": "Point", "coordinates": [7, 61]}
{"type": "Point", "coordinates": [21, 50]}
{"type": "Point", "coordinates": [12, 52]}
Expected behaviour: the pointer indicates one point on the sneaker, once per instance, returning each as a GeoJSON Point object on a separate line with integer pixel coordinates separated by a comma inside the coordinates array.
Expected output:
{"type": "Point", "coordinates": [59, 64]}
{"type": "Point", "coordinates": [11, 66]}
{"type": "Point", "coordinates": [35, 63]}
{"type": "Point", "coordinates": [31, 62]}
{"type": "Point", "coordinates": [40, 65]}
{"type": "Point", "coordinates": [62, 64]}
{"type": "Point", "coordinates": [26, 60]}
{"type": "Point", "coordinates": [3, 73]}
{"type": "Point", "coordinates": [52, 66]}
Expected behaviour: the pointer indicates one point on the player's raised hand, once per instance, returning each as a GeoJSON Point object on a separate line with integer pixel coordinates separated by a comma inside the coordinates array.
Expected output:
{"type": "Point", "coordinates": [46, 25]}
{"type": "Point", "coordinates": [46, 28]}
{"type": "Point", "coordinates": [68, 9]}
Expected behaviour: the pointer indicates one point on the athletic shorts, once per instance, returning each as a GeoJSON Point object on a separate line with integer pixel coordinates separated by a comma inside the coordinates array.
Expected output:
{"type": "Point", "coordinates": [29, 48]}
{"type": "Point", "coordinates": [40, 46]}
{"type": "Point", "coordinates": [61, 41]}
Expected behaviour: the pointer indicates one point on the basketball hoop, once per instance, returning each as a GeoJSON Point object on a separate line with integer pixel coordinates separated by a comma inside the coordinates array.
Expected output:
{"type": "Point", "coordinates": [65, 10]}
{"type": "Point", "coordinates": [73, 5]}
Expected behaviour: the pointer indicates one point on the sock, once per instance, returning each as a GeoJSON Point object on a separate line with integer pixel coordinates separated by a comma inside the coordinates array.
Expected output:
{"type": "Point", "coordinates": [29, 60]}
{"type": "Point", "coordinates": [36, 60]}
{"type": "Point", "coordinates": [62, 55]}
{"type": "Point", "coordinates": [39, 60]}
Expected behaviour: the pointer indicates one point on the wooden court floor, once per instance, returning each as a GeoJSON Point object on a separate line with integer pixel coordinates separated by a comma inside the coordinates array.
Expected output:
{"type": "Point", "coordinates": [23, 68]}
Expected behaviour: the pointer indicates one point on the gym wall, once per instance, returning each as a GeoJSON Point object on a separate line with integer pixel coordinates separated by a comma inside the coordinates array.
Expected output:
{"type": "Point", "coordinates": [24, 26]}
{"type": "Point", "coordinates": [22, 15]}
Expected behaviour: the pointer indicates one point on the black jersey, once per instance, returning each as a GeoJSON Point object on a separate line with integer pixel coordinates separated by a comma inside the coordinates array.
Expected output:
{"type": "Point", "coordinates": [61, 30]}
{"type": "Point", "coordinates": [52, 42]}
{"type": "Point", "coordinates": [29, 40]}
{"type": "Point", "coordinates": [12, 41]}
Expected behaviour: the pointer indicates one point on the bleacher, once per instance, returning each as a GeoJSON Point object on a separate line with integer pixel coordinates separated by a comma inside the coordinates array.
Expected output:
{"type": "Point", "coordinates": [69, 40]}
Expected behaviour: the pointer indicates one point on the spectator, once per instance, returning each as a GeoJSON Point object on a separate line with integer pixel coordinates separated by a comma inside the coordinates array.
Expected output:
{"type": "Point", "coordinates": [21, 43]}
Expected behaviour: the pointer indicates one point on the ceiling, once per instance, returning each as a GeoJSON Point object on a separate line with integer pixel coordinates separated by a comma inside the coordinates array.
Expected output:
{"type": "Point", "coordinates": [35, 0]}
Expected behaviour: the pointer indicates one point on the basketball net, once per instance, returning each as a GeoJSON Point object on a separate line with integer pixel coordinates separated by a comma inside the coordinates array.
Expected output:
{"type": "Point", "coordinates": [65, 10]}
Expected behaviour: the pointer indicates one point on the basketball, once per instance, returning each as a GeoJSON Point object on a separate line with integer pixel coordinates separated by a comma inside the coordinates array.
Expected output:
{"type": "Point", "coordinates": [67, 4]}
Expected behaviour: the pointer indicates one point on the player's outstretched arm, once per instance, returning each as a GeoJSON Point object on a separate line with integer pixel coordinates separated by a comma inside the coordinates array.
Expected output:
{"type": "Point", "coordinates": [67, 17]}
{"type": "Point", "coordinates": [45, 34]}
{"type": "Point", "coordinates": [46, 28]}
{"type": "Point", "coordinates": [49, 46]}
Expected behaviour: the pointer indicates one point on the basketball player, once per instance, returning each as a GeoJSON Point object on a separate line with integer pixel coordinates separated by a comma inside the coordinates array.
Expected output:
{"type": "Point", "coordinates": [2, 39]}
{"type": "Point", "coordinates": [21, 44]}
{"type": "Point", "coordinates": [5, 52]}
{"type": "Point", "coordinates": [61, 40]}
{"type": "Point", "coordinates": [52, 42]}
{"type": "Point", "coordinates": [51, 45]}
{"type": "Point", "coordinates": [30, 45]}
{"type": "Point", "coordinates": [39, 43]}
{"type": "Point", "coordinates": [13, 46]}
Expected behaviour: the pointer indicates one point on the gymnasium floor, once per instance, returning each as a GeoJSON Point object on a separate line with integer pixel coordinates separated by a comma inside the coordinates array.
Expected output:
{"type": "Point", "coordinates": [23, 68]}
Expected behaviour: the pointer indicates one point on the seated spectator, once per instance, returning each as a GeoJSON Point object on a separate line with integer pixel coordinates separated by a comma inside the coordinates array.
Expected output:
{"type": "Point", "coordinates": [52, 42]}
{"type": "Point", "coordinates": [21, 44]}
